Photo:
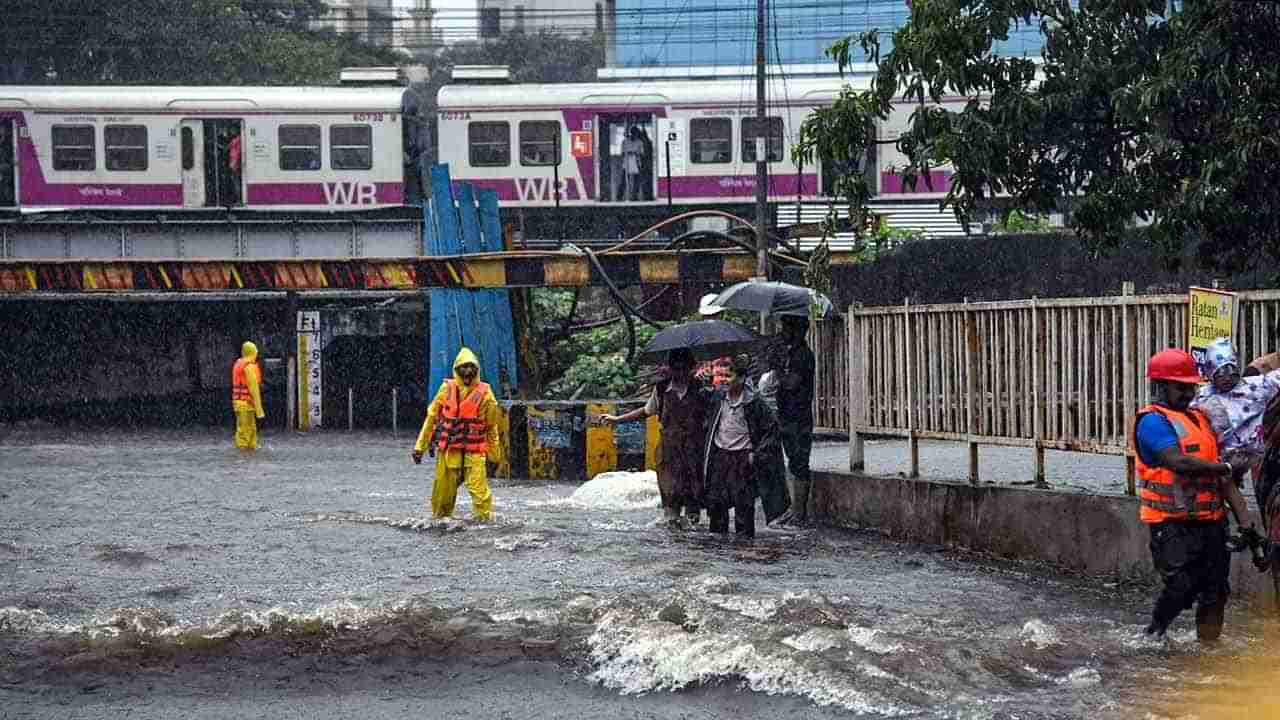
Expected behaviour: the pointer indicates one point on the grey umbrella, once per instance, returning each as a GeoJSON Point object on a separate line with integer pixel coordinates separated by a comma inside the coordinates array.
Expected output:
{"type": "Point", "coordinates": [773, 298]}
{"type": "Point", "coordinates": [706, 339]}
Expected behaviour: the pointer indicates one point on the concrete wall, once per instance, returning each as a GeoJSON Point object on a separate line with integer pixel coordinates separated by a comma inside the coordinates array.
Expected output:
{"type": "Point", "coordinates": [1090, 534]}
{"type": "Point", "coordinates": [108, 362]}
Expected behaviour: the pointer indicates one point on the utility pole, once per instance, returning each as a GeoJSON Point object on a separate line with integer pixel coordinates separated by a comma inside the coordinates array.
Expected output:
{"type": "Point", "coordinates": [762, 148]}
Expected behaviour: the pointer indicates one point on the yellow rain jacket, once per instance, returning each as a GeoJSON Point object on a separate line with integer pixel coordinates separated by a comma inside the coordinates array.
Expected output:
{"type": "Point", "coordinates": [246, 381]}
{"type": "Point", "coordinates": [456, 464]}
{"type": "Point", "coordinates": [246, 396]}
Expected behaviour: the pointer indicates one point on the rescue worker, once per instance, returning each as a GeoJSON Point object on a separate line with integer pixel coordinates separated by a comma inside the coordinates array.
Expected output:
{"type": "Point", "coordinates": [1183, 492]}
{"type": "Point", "coordinates": [795, 412]}
{"type": "Point", "coordinates": [681, 403]}
{"type": "Point", "coordinates": [742, 445]}
{"type": "Point", "coordinates": [246, 396]}
{"type": "Point", "coordinates": [462, 423]}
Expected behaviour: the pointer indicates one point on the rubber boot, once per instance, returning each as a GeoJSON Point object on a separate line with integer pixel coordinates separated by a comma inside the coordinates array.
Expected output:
{"type": "Point", "coordinates": [1209, 619]}
{"type": "Point", "coordinates": [671, 516]}
{"type": "Point", "coordinates": [800, 504]}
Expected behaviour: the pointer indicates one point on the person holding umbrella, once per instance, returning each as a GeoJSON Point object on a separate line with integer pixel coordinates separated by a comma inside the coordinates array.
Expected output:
{"type": "Point", "coordinates": [795, 367]}
{"type": "Point", "coordinates": [795, 412]}
{"type": "Point", "coordinates": [682, 404]}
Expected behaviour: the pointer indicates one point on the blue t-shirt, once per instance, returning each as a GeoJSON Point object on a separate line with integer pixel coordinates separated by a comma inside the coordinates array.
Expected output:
{"type": "Point", "coordinates": [1154, 434]}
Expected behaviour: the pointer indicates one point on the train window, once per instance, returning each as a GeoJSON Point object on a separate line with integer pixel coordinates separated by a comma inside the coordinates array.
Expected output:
{"type": "Point", "coordinates": [126, 147]}
{"type": "Point", "coordinates": [773, 133]}
{"type": "Point", "coordinates": [299, 147]}
{"type": "Point", "coordinates": [351, 147]}
{"type": "Point", "coordinates": [74, 148]}
{"type": "Point", "coordinates": [539, 142]}
{"type": "Point", "coordinates": [188, 148]}
{"type": "Point", "coordinates": [711, 140]}
{"type": "Point", "coordinates": [490, 144]}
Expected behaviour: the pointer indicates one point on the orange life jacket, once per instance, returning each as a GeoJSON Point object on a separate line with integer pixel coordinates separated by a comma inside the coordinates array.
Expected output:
{"type": "Point", "coordinates": [1165, 495]}
{"type": "Point", "coordinates": [460, 425]}
{"type": "Point", "coordinates": [239, 384]}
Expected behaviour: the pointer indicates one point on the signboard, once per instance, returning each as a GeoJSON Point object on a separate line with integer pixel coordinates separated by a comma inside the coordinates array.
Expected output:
{"type": "Point", "coordinates": [551, 429]}
{"type": "Point", "coordinates": [310, 385]}
{"type": "Point", "coordinates": [580, 143]}
{"type": "Point", "coordinates": [671, 144]}
{"type": "Point", "coordinates": [1211, 315]}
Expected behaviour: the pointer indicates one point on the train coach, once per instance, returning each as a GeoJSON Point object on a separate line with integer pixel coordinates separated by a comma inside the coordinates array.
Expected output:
{"type": "Point", "coordinates": [174, 148]}
{"type": "Point", "coordinates": [613, 156]}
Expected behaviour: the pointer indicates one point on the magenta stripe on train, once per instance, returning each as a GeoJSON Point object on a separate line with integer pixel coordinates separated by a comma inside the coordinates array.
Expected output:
{"type": "Point", "coordinates": [337, 193]}
{"type": "Point", "coordinates": [541, 189]}
{"type": "Point", "coordinates": [891, 183]}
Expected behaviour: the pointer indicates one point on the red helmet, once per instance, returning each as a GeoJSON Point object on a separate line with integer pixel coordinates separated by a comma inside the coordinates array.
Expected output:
{"type": "Point", "coordinates": [1173, 365]}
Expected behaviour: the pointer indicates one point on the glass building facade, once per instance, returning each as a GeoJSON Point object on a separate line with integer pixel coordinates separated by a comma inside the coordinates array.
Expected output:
{"type": "Point", "coordinates": [722, 32]}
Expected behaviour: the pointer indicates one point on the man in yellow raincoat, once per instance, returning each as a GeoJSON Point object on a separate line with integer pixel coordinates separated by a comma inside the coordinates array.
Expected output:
{"type": "Point", "coordinates": [463, 423]}
{"type": "Point", "coordinates": [246, 396]}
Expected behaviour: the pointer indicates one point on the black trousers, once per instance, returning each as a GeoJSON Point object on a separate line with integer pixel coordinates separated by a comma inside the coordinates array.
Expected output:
{"type": "Point", "coordinates": [1193, 559]}
{"type": "Point", "coordinates": [797, 443]}
{"type": "Point", "coordinates": [731, 484]}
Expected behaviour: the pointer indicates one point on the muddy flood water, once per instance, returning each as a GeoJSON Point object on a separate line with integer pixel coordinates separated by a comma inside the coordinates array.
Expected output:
{"type": "Point", "coordinates": [164, 574]}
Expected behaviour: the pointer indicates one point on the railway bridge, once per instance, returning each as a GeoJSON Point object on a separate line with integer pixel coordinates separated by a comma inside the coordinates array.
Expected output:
{"type": "Point", "coordinates": [130, 320]}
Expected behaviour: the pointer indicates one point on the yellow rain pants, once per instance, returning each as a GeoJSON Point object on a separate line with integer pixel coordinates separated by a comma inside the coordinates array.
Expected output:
{"type": "Point", "coordinates": [458, 467]}
{"type": "Point", "coordinates": [246, 429]}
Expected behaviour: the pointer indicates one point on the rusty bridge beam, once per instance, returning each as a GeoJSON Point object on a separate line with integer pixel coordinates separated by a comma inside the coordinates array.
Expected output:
{"type": "Point", "coordinates": [515, 269]}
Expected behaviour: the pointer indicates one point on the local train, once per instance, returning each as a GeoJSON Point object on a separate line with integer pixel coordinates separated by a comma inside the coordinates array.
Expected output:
{"type": "Point", "coordinates": [170, 148]}
{"type": "Point", "coordinates": [585, 151]}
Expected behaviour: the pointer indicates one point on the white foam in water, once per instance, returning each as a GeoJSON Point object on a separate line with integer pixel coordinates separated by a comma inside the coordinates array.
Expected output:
{"type": "Point", "coordinates": [539, 616]}
{"type": "Point", "coordinates": [718, 591]}
{"type": "Point", "coordinates": [634, 655]}
{"type": "Point", "coordinates": [13, 619]}
{"type": "Point", "coordinates": [1081, 677]}
{"type": "Point", "coordinates": [518, 542]}
{"type": "Point", "coordinates": [616, 491]}
{"type": "Point", "coordinates": [815, 640]}
{"type": "Point", "coordinates": [866, 638]}
{"type": "Point", "coordinates": [1040, 634]}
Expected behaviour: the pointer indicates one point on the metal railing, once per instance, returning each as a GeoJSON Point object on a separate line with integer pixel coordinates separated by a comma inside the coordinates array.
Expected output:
{"type": "Point", "coordinates": [1065, 374]}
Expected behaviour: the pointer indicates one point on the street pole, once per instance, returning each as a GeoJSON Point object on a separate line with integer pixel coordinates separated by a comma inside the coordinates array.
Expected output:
{"type": "Point", "coordinates": [762, 167]}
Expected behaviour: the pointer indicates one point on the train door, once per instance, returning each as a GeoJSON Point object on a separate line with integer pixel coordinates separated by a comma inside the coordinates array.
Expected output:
{"type": "Point", "coordinates": [8, 165]}
{"type": "Point", "coordinates": [626, 168]}
{"type": "Point", "coordinates": [223, 162]}
{"type": "Point", "coordinates": [192, 132]}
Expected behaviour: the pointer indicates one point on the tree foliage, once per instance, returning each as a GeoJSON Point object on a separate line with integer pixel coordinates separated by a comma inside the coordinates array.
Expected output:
{"type": "Point", "coordinates": [590, 363]}
{"type": "Point", "coordinates": [1140, 112]}
{"type": "Point", "coordinates": [170, 42]}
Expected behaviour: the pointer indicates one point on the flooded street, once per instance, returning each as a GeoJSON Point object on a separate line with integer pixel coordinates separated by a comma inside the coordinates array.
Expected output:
{"type": "Point", "coordinates": [163, 573]}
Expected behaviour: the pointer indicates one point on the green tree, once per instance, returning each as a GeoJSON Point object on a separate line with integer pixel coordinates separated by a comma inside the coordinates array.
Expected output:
{"type": "Point", "coordinates": [1140, 112]}
{"type": "Point", "coordinates": [172, 42]}
{"type": "Point", "coordinates": [588, 363]}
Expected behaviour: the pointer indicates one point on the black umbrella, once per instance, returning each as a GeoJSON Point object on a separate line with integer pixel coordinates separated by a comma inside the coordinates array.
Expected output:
{"type": "Point", "coordinates": [706, 339]}
{"type": "Point", "coordinates": [773, 298]}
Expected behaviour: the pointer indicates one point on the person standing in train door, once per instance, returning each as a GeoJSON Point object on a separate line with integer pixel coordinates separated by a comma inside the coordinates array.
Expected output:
{"type": "Point", "coordinates": [632, 149]}
{"type": "Point", "coordinates": [233, 164]}
{"type": "Point", "coordinates": [617, 182]}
